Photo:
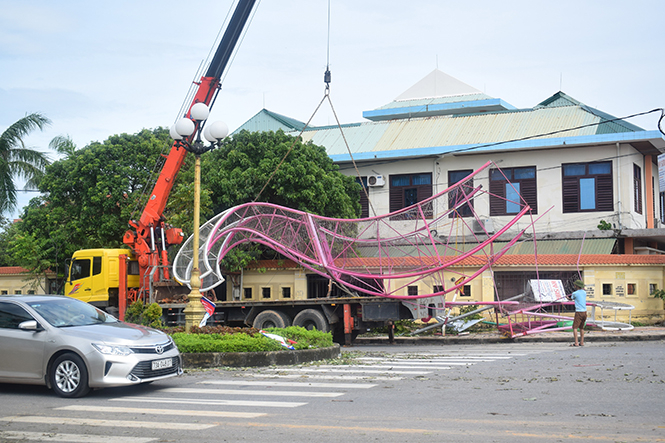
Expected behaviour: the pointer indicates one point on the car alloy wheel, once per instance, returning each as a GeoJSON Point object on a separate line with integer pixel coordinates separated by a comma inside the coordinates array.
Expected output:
{"type": "Point", "coordinates": [69, 376]}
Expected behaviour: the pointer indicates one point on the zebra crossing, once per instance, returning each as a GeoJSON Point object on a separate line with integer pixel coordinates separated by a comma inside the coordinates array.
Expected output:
{"type": "Point", "coordinates": [242, 395]}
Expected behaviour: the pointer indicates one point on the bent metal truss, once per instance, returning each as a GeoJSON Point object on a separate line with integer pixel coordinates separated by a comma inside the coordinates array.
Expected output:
{"type": "Point", "coordinates": [377, 256]}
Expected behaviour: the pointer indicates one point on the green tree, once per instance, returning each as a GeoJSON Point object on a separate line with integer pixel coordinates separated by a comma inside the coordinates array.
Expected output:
{"type": "Point", "coordinates": [5, 234]}
{"type": "Point", "coordinates": [63, 144]}
{"type": "Point", "coordinates": [255, 164]}
{"type": "Point", "coordinates": [89, 197]}
{"type": "Point", "coordinates": [19, 161]}
{"type": "Point", "coordinates": [307, 179]}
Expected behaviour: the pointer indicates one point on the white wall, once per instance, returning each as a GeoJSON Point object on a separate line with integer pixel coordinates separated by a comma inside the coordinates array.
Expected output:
{"type": "Point", "coordinates": [548, 163]}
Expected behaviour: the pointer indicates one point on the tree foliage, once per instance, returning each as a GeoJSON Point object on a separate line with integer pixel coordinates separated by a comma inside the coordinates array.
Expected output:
{"type": "Point", "coordinates": [89, 197]}
{"type": "Point", "coordinates": [307, 180]}
{"type": "Point", "coordinates": [18, 160]}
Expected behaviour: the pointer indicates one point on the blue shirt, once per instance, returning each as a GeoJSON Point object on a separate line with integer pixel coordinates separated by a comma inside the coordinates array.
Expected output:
{"type": "Point", "coordinates": [579, 297]}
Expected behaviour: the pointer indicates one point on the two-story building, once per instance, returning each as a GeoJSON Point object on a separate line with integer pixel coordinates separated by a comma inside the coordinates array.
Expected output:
{"type": "Point", "coordinates": [590, 178]}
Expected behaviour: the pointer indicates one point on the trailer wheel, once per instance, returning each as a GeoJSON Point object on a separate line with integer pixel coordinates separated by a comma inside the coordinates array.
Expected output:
{"type": "Point", "coordinates": [270, 319]}
{"type": "Point", "coordinates": [312, 319]}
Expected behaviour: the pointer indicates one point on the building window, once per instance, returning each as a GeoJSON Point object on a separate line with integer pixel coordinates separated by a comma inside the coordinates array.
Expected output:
{"type": "Point", "coordinates": [457, 196]}
{"type": "Point", "coordinates": [607, 289]}
{"type": "Point", "coordinates": [247, 293]}
{"type": "Point", "coordinates": [412, 290]}
{"type": "Point", "coordinates": [637, 188]}
{"type": "Point", "coordinates": [286, 292]}
{"type": "Point", "coordinates": [466, 292]}
{"type": "Point", "coordinates": [510, 188]}
{"type": "Point", "coordinates": [407, 190]}
{"type": "Point", "coordinates": [3, 292]}
{"type": "Point", "coordinates": [364, 201]}
{"type": "Point", "coordinates": [31, 292]}
{"type": "Point", "coordinates": [266, 292]}
{"type": "Point", "coordinates": [587, 187]}
{"type": "Point", "coordinates": [631, 289]}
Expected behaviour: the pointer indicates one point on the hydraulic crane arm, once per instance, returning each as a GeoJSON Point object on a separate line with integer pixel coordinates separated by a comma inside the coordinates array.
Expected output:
{"type": "Point", "coordinates": [141, 239]}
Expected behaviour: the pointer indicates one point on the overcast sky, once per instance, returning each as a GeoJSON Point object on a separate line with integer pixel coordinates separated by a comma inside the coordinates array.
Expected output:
{"type": "Point", "coordinates": [98, 68]}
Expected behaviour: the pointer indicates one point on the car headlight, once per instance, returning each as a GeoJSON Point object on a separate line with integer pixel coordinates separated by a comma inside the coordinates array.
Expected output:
{"type": "Point", "coordinates": [112, 350]}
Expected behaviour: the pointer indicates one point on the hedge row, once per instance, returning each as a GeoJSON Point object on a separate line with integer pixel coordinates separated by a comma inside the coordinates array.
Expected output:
{"type": "Point", "coordinates": [248, 340]}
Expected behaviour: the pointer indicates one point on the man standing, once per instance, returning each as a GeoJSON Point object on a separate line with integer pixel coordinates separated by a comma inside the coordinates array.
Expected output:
{"type": "Point", "coordinates": [579, 297]}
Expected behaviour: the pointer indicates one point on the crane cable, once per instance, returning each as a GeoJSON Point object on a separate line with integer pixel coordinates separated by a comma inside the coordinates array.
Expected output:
{"type": "Point", "coordinates": [327, 78]}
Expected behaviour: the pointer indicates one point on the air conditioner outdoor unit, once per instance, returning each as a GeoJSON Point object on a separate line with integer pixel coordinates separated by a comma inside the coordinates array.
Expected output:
{"type": "Point", "coordinates": [483, 226]}
{"type": "Point", "coordinates": [375, 180]}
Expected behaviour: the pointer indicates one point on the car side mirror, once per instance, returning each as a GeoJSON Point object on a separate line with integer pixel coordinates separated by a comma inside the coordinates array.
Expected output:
{"type": "Point", "coordinates": [30, 325]}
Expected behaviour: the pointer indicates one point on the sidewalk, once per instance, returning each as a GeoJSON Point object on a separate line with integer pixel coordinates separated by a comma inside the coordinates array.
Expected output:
{"type": "Point", "coordinates": [595, 335]}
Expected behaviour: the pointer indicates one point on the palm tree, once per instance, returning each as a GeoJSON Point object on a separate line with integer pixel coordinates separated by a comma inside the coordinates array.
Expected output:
{"type": "Point", "coordinates": [19, 161]}
{"type": "Point", "coordinates": [63, 144]}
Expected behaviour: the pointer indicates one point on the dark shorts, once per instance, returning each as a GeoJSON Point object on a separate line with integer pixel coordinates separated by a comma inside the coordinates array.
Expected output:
{"type": "Point", "coordinates": [580, 320]}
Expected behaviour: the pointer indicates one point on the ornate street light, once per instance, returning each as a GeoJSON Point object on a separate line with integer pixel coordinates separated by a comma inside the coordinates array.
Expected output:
{"type": "Point", "coordinates": [182, 132]}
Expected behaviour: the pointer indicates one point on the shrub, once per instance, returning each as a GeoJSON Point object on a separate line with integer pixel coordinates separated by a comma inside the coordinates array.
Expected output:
{"type": "Point", "coordinates": [231, 340]}
{"type": "Point", "coordinates": [140, 314]}
{"type": "Point", "coordinates": [240, 342]}
{"type": "Point", "coordinates": [304, 338]}
{"type": "Point", "coordinates": [659, 293]}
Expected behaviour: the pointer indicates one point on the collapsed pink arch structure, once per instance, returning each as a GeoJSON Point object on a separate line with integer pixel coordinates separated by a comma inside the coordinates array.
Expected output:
{"type": "Point", "coordinates": [380, 256]}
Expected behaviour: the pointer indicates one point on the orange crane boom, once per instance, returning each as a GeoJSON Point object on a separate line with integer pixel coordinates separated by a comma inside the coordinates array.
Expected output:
{"type": "Point", "coordinates": [141, 239]}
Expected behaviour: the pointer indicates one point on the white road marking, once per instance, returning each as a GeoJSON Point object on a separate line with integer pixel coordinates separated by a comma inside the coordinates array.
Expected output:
{"type": "Point", "coordinates": [108, 423]}
{"type": "Point", "coordinates": [391, 367]}
{"type": "Point", "coordinates": [186, 412]}
{"type": "Point", "coordinates": [201, 401]}
{"type": "Point", "coordinates": [447, 360]}
{"type": "Point", "coordinates": [347, 369]}
{"type": "Point", "coordinates": [326, 377]}
{"type": "Point", "coordinates": [70, 438]}
{"type": "Point", "coordinates": [289, 384]}
{"type": "Point", "coordinates": [264, 393]}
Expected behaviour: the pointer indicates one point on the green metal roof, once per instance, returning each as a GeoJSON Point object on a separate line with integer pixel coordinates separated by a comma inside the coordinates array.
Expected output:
{"type": "Point", "coordinates": [266, 120]}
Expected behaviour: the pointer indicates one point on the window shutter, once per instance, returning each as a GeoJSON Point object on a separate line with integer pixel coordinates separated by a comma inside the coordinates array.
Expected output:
{"type": "Point", "coordinates": [530, 194]}
{"type": "Point", "coordinates": [425, 192]}
{"type": "Point", "coordinates": [604, 193]}
{"type": "Point", "coordinates": [570, 195]}
{"type": "Point", "coordinates": [396, 200]}
{"type": "Point", "coordinates": [497, 196]}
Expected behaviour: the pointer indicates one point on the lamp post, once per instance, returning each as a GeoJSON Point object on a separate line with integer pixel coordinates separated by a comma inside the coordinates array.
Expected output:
{"type": "Point", "coordinates": [184, 130]}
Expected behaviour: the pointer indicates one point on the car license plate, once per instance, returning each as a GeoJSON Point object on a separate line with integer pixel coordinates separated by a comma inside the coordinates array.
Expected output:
{"type": "Point", "coordinates": [161, 364]}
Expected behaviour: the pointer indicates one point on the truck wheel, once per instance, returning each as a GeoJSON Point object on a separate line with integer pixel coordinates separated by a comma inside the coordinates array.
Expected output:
{"type": "Point", "coordinates": [270, 319]}
{"type": "Point", "coordinates": [69, 376]}
{"type": "Point", "coordinates": [312, 319]}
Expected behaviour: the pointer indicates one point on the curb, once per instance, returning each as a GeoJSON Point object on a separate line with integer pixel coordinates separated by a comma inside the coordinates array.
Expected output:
{"type": "Point", "coordinates": [253, 359]}
{"type": "Point", "coordinates": [469, 340]}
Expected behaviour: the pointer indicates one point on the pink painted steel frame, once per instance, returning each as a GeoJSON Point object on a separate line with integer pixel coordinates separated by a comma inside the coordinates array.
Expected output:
{"type": "Point", "coordinates": [377, 256]}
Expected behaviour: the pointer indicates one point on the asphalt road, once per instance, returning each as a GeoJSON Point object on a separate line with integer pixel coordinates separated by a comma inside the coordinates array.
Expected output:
{"type": "Point", "coordinates": [506, 392]}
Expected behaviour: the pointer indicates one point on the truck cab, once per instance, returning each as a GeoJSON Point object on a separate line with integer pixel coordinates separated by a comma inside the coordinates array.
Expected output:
{"type": "Point", "coordinates": [94, 275]}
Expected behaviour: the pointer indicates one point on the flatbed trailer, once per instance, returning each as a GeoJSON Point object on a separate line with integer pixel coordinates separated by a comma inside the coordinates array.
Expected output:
{"type": "Point", "coordinates": [344, 317]}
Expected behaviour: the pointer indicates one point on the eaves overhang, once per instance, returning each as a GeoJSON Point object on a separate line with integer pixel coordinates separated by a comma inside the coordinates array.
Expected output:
{"type": "Point", "coordinates": [435, 109]}
{"type": "Point", "coordinates": [646, 142]}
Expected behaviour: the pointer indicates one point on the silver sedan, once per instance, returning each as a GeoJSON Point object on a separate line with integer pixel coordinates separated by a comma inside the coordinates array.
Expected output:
{"type": "Point", "coordinates": [72, 347]}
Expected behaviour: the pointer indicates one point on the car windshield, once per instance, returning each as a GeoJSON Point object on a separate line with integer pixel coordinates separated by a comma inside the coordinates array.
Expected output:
{"type": "Point", "coordinates": [65, 312]}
